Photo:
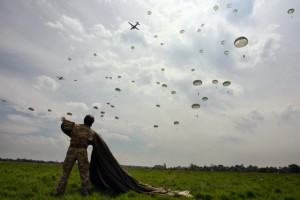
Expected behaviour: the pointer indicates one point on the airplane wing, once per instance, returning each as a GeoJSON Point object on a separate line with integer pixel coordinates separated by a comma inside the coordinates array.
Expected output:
{"type": "Point", "coordinates": [137, 28]}
{"type": "Point", "coordinates": [131, 24]}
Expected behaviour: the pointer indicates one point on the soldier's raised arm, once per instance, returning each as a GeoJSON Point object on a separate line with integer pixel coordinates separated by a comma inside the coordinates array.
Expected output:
{"type": "Point", "coordinates": [67, 126]}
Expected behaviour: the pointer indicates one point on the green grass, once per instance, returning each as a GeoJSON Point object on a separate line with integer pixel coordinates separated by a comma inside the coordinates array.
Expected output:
{"type": "Point", "coordinates": [38, 181]}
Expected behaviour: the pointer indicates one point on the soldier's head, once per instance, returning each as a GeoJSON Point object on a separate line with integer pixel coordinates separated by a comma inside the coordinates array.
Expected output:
{"type": "Point", "coordinates": [89, 120]}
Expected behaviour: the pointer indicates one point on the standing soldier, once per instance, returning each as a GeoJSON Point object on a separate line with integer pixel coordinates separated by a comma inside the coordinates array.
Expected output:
{"type": "Point", "coordinates": [81, 136]}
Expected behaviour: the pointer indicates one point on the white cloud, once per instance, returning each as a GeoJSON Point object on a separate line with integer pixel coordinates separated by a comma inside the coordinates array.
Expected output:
{"type": "Point", "coordinates": [45, 82]}
{"type": "Point", "coordinates": [78, 105]}
{"type": "Point", "coordinates": [54, 25]}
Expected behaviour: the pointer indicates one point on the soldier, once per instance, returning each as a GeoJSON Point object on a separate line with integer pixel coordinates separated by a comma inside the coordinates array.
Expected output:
{"type": "Point", "coordinates": [81, 136]}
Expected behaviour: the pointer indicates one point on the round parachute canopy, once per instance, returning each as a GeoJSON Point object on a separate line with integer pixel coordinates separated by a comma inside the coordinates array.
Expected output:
{"type": "Point", "coordinates": [192, 70]}
{"type": "Point", "coordinates": [176, 122]}
{"type": "Point", "coordinates": [157, 105]}
{"type": "Point", "coordinates": [106, 77]}
{"type": "Point", "coordinates": [173, 92]}
{"type": "Point", "coordinates": [182, 31]}
{"type": "Point", "coordinates": [195, 106]}
{"type": "Point", "coordinates": [158, 83]}
{"type": "Point", "coordinates": [69, 59]}
{"type": "Point", "coordinates": [223, 42]}
{"type": "Point", "coordinates": [49, 110]}
{"type": "Point", "coordinates": [112, 106]}
{"type": "Point", "coordinates": [235, 11]}
{"type": "Point", "coordinates": [118, 89]}
{"type": "Point", "coordinates": [149, 12]}
{"type": "Point", "coordinates": [101, 115]}
{"type": "Point", "coordinates": [226, 53]}
{"type": "Point", "coordinates": [95, 54]}
{"type": "Point", "coordinates": [133, 81]}
{"type": "Point", "coordinates": [202, 25]}
{"type": "Point", "coordinates": [107, 103]}
{"type": "Point", "coordinates": [291, 10]}
{"type": "Point", "coordinates": [30, 108]}
{"type": "Point", "coordinates": [216, 7]}
{"type": "Point", "coordinates": [69, 113]}
{"type": "Point", "coordinates": [116, 117]}
{"type": "Point", "coordinates": [119, 76]}
{"type": "Point", "coordinates": [197, 82]}
{"type": "Point", "coordinates": [164, 85]}
{"type": "Point", "coordinates": [226, 83]}
{"type": "Point", "coordinates": [162, 69]}
{"type": "Point", "coordinates": [162, 44]}
{"type": "Point", "coordinates": [155, 126]}
{"type": "Point", "coordinates": [155, 36]}
{"type": "Point", "coordinates": [240, 42]}
{"type": "Point", "coordinates": [215, 81]}
{"type": "Point", "coordinates": [96, 107]}
{"type": "Point", "coordinates": [204, 99]}
{"type": "Point", "coordinates": [199, 30]}
{"type": "Point", "coordinates": [201, 51]}
{"type": "Point", "coordinates": [110, 77]}
{"type": "Point", "coordinates": [102, 112]}
{"type": "Point", "coordinates": [229, 5]}
{"type": "Point", "coordinates": [132, 47]}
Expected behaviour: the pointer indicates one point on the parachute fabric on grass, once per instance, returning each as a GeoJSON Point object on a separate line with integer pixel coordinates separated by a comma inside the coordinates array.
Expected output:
{"type": "Point", "coordinates": [107, 173]}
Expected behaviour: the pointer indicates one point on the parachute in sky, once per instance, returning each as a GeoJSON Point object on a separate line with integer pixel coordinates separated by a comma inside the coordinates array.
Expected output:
{"type": "Point", "coordinates": [223, 42]}
{"type": "Point", "coordinates": [193, 70]}
{"type": "Point", "coordinates": [226, 53]}
{"type": "Point", "coordinates": [176, 122]}
{"type": "Point", "coordinates": [195, 105]}
{"type": "Point", "coordinates": [102, 112]}
{"type": "Point", "coordinates": [69, 113]}
{"type": "Point", "coordinates": [216, 7]}
{"type": "Point", "coordinates": [235, 11]}
{"type": "Point", "coordinates": [95, 54]}
{"type": "Point", "coordinates": [116, 117]}
{"type": "Point", "coordinates": [162, 44]}
{"type": "Point", "coordinates": [226, 83]}
{"type": "Point", "coordinates": [158, 83]}
{"type": "Point", "coordinates": [182, 31]}
{"type": "Point", "coordinates": [157, 105]}
{"type": "Point", "coordinates": [229, 5]}
{"type": "Point", "coordinates": [155, 36]}
{"type": "Point", "coordinates": [199, 30]}
{"type": "Point", "coordinates": [164, 85]}
{"type": "Point", "coordinates": [240, 42]}
{"type": "Point", "coordinates": [201, 51]}
{"type": "Point", "coordinates": [119, 76]}
{"type": "Point", "coordinates": [118, 89]}
{"type": "Point", "coordinates": [162, 69]}
{"type": "Point", "coordinates": [69, 59]}
{"type": "Point", "coordinates": [291, 11]}
{"type": "Point", "coordinates": [202, 25]}
{"type": "Point", "coordinates": [173, 92]}
{"type": "Point", "coordinates": [30, 108]}
{"type": "Point", "coordinates": [112, 106]}
{"type": "Point", "coordinates": [204, 98]}
{"type": "Point", "coordinates": [132, 47]}
{"type": "Point", "coordinates": [95, 107]}
{"type": "Point", "coordinates": [49, 110]}
{"type": "Point", "coordinates": [149, 12]}
{"type": "Point", "coordinates": [197, 82]}
{"type": "Point", "coordinates": [155, 126]}
{"type": "Point", "coordinates": [215, 81]}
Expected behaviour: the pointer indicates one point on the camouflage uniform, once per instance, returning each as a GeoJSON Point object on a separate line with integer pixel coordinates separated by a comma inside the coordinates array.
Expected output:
{"type": "Point", "coordinates": [81, 136]}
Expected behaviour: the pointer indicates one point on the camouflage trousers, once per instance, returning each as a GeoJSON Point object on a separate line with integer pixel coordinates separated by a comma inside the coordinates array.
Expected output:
{"type": "Point", "coordinates": [73, 154]}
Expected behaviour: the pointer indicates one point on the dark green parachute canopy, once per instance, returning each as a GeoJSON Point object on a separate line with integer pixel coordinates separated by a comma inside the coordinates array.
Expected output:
{"type": "Point", "coordinates": [116, 117]}
{"type": "Point", "coordinates": [155, 126]}
{"type": "Point", "coordinates": [49, 110]}
{"type": "Point", "coordinates": [229, 5]}
{"type": "Point", "coordinates": [118, 89]}
{"type": "Point", "coordinates": [69, 113]}
{"type": "Point", "coordinates": [291, 10]}
{"type": "Point", "coordinates": [216, 7]}
{"type": "Point", "coordinates": [195, 106]}
{"type": "Point", "coordinates": [226, 83]}
{"type": "Point", "coordinates": [102, 112]}
{"type": "Point", "coordinates": [235, 11]}
{"type": "Point", "coordinates": [240, 42]}
{"type": "Point", "coordinates": [226, 53]}
{"type": "Point", "coordinates": [215, 81]}
{"type": "Point", "coordinates": [204, 98]}
{"type": "Point", "coordinates": [223, 42]}
{"type": "Point", "coordinates": [132, 47]}
{"type": "Point", "coordinates": [201, 51]}
{"type": "Point", "coordinates": [30, 108]}
{"type": "Point", "coordinates": [157, 105]}
{"type": "Point", "coordinates": [149, 12]}
{"type": "Point", "coordinates": [176, 122]}
{"type": "Point", "coordinates": [182, 31]}
{"type": "Point", "coordinates": [95, 54]}
{"type": "Point", "coordinates": [173, 92]}
{"type": "Point", "coordinates": [197, 82]}
{"type": "Point", "coordinates": [164, 85]}
{"type": "Point", "coordinates": [96, 107]}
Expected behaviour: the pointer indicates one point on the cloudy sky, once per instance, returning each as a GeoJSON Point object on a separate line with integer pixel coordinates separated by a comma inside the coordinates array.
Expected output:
{"type": "Point", "coordinates": [255, 120]}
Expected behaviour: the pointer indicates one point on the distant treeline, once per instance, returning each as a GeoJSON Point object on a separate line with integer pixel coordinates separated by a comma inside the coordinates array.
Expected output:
{"type": "Point", "coordinates": [292, 168]}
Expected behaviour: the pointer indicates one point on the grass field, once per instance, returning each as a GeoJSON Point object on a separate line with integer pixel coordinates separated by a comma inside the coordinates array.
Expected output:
{"type": "Point", "coordinates": [38, 181]}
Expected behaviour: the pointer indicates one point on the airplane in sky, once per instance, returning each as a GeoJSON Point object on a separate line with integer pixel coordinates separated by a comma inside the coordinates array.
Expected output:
{"type": "Point", "coordinates": [60, 77]}
{"type": "Point", "coordinates": [134, 26]}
